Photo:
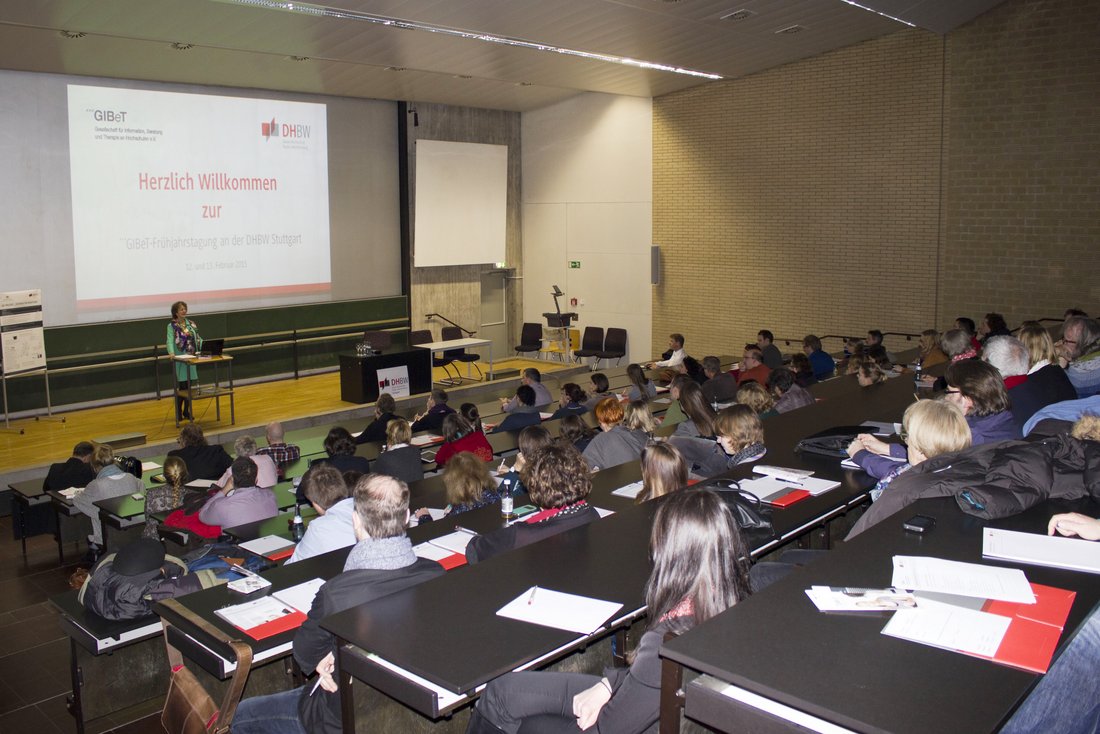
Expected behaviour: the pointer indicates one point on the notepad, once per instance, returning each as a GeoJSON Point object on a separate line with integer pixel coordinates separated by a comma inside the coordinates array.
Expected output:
{"type": "Point", "coordinates": [779, 472]}
{"type": "Point", "coordinates": [630, 491]}
{"type": "Point", "coordinates": [425, 439]}
{"type": "Point", "coordinates": [1073, 554]}
{"type": "Point", "coordinates": [581, 614]}
{"type": "Point", "coordinates": [149, 466]}
{"type": "Point", "coordinates": [446, 558]}
{"type": "Point", "coordinates": [270, 546]}
{"type": "Point", "coordinates": [263, 617]}
{"type": "Point", "coordinates": [70, 492]}
{"type": "Point", "coordinates": [300, 596]}
{"type": "Point", "coordinates": [921, 573]}
{"type": "Point", "coordinates": [455, 542]}
{"type": "Point", "coordinates": [201, 483]}
{"type": "Point", "coordinates": [769, 489]}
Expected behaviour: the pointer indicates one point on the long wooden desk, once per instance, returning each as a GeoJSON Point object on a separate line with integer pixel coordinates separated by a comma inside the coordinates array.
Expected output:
{"type": "Point", "coordinates": [832, 670]}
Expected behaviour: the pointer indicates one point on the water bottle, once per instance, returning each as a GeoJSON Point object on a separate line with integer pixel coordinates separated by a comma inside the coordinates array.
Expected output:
{"type": "Point", "coordinates": [507, 502]}
{"type": "Point", "coordinates": [297, 527]}
{"type": "Point", "coordinates": [918, 371]}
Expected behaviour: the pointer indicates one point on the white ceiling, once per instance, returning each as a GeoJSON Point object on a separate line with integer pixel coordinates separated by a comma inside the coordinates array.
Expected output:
{"type": "Point", "coordinates": [252, 47]}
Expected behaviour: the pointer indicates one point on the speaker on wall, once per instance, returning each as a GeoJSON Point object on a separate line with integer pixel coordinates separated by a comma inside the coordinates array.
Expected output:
{"type": "Point", "coordinates": [655, 264]}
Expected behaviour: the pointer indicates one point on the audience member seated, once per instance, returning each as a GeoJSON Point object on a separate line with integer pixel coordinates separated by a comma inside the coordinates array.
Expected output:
{"type": "Point", "coordinates": [1067, 698]}
{"type": "Point", "coordinates": [967, 325]}
{"type": "Point", "coordinates": [472, 415]}
{"type": "Point", "coordinates": [574, 431]}
{"type": "Point", "coordinates": [531, 441]}
{"type": "Point", "coordinates": [431, 420]}
{"type": "Point", "coordinates": [524, 414]}
{"type": "Point", "coordinates": [203, 461]}
{"type": "Point", "coordinates": [675, 414]}
{"type": "Point", "coordinates": [691, 368]}
{"type": "Point", "coordinates": [110, 481]}
{"type": "Point", "coordinates": [931, 428]}
{"type": "Point", "coordinates": [1026, 392]}
{"type": "Point", "coordinates": [752, 368]}
{"type": "Point", "coordinates": [165, 497]}
{"type": "Point", "coordinates": [720, 387]}
{"type": "Point", "coordinates": [823, 365]}
{"type": "Point", "coordinates": [700, 416]}
{"type": "Point", "coordinates": [340, 451]}
{"type": "Point", "coordinates": [385, 410]}
{"type": "Point", "coordinates": [558, 483]}
{"type": "Point", "coordinates": [281, 452]}
{"type": "Point", "coordinates": [469, 485]}
{"type": "Point", "coordinates": [740, 440]}
{"type": "Point", "coordinates": [874, 339]}
{"type": "Point", "coordinates": [757, 397]}
{"type": "Point", "coordinates": [788, 395]}
{"type": "Point", "coordinates": [664, 471]}
{"type": "Point", "coordinates": [267, 474]}
{"type": "Point", "coordinates": [992, 325]}
{"type": "Point", "coordinates": [244, 503]}
{"type": "Point", "coordinates": [573, 401]}
{"type": "Point", "coordinates": [459, 436]}
{"type": "Point", "coordinates": [869, 373]}
{"type": "Point", "coordinates": [698, 571]}
{"type": "Point", "coordinates": [929, 353]}
{"type": "Point", "coordinates": [382, 562]}
{"type": "Point", "coordinates": [641, 387]}
{"type": "Point", "coordinates": [76, 471]}
{"type": "Point", "coordinates": [959, 347]}
{"type": "Point", "coordinates": [996, 480]}
{"type": "Point", "coordinates": [803, 371]}
{"type": "Point", "coordinates": [601, 389]}
{"type": "Point", "coordinates": [616, 444]}
{"type": "Point", "coordinates": [400, 459]}
{"type": "Point", "coordinates": [770, 354]}
{"type": "Point", "coordinates": [671, 359]}
{"type": "Point", "coordinates": [1080, 354]}
{"type": "Point", "coordinates": [532, 378]}
{"type": "Point", "coordinates": [327, 493]}
{"type": "Point", "coordinates": [978, 391]}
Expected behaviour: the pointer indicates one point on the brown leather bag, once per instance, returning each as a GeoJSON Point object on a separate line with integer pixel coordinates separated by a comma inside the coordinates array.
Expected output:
{"type": "Point", "coordinates": [189, 709]}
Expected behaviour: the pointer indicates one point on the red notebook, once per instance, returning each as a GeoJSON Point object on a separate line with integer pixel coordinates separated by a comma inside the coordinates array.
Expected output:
{"type": "Point", "coordinates": [790, 498]}
{"type": "Point", "coordinates": [452, 561]}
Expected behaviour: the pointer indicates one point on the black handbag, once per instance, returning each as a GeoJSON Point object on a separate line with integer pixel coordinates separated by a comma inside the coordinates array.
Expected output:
{"type": "Point", "coordinates": [832, 442]}
{"type": "Point", "coordinates": [747, 508]}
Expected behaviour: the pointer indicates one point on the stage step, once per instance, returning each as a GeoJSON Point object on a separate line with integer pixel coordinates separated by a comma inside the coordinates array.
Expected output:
{"type": "Point", "coordinates": [123, 440]}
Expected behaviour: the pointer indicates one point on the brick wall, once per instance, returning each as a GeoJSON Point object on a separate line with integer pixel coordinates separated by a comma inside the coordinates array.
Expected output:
{"type": "Point", "coordinates": [808, 198]}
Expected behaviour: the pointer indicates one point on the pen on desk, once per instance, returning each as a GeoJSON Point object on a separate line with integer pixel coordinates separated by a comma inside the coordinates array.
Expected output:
{"type": "Point", "coordinates": [242, 569]}
{"type": "Point", "coordinates": [531, 598]}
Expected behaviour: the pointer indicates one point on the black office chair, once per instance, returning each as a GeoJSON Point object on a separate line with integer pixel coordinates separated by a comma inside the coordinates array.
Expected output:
{"type": "Point", "coordinates": [614, 346]}
{"type": "Point", "coordinates": [460, 355]}
{"type": "Point", "coordinates": [591, 343]}
{"type": "Point", "coordinates": [424, 336]}
{"type": "Point", "coordinates": [530, 338]}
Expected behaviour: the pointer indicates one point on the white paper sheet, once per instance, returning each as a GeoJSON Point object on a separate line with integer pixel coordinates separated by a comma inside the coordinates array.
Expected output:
{"type": "Point", "coordinates": [770, 487]}
{"type": "Point", "coordinates": [630, 491]}
{"type": "Point", "coordinates": [267, 544]}
{"type": "Point", "coordinates": [603, 513]}
{"type": "Point", "coordinates": [300, 596]}
{"type": "Point", "coordinates": [149, 466]}
{"type": "Point", "coordinates": [1074, 554]}
{"type": "Point", "coordinates": [849, 464]}
{"type": "Point", "coordinates": [425, 439]}
{"type": "Point", "coordinates": [70, 492]}
{"type": "Point", "coordinates": [580, 614]}
{"type": "Point", "coordinates": [780, 472]}
{"type": "Point", "coordinates": [455, 542]}
{"type": "Point", "coordinates": [253, 613]}
{"type": "Point", "coordinates": [921, 573]}
{"type": "Point", "coordinates": [431, 552]}
{"type": "Point", "coordinates": [201, 483]}
{"type": "Point", "coordinates": [949, 628]}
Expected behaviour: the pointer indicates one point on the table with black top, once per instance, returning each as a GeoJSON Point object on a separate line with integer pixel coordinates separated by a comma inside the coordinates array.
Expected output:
{"type": "Point", "coordinates": [359, 375]}
{"type": "Point", "coordinates": [773, 662]}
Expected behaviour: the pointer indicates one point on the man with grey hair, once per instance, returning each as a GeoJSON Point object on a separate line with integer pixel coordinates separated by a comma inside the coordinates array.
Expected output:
{"type": "Point", "coordinates": [281, 452]}
{"type": "Point", "coordinates": [380, 563]}
{"type": "Point", "coordinates": [1027, 393]}
{"type": "Point", "coordinates": [720, 387]}
{"type": "Point", "coordinates": [1079, 354]}
{"type": "Point", "coordinates": [267, 474]}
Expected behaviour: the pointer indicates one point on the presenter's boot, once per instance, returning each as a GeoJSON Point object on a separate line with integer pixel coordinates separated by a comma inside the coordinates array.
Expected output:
{"type": "Point", "coordinates": [480, 725]}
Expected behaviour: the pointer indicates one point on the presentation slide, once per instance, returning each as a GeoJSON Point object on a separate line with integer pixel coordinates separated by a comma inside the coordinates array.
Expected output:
{"type": "Point", "coordinates": [199, 196]}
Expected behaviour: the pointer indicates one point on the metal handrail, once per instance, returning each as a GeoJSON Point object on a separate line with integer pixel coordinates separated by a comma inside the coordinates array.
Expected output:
{"type": "Point", "coordinates": [430, 316]}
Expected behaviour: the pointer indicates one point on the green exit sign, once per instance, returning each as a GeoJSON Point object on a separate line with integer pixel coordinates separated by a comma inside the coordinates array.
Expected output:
{"type": "Point", "coordinates": [574, 264]}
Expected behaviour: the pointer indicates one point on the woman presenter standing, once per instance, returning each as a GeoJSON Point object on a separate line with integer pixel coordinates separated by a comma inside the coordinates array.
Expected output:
{"type": "Point", "coordinates": [183, 338]}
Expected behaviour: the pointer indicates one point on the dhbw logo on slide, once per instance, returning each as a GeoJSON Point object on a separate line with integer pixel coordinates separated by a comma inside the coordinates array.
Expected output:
{"type": "Point", "coordinates": [273, 129]}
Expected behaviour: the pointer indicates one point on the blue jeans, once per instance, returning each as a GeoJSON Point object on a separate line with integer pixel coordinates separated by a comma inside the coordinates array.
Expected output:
{"type": "Point", "coordinates": [274, 714]}
{"type": "Point", "coordinates": [1067, 699]}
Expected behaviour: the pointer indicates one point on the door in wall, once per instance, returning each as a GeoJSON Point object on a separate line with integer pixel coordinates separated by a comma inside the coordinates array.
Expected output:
{"type": "Point", "coordinates": [494, 313]}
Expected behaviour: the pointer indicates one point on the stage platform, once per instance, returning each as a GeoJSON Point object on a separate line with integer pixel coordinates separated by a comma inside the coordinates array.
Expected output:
{"type": "Point", "coordinates": [308, 401]}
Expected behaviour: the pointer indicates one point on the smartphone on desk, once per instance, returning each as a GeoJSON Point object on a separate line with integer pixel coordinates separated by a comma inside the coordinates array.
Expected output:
{"type": "Point", "coordinates": [919, 524]}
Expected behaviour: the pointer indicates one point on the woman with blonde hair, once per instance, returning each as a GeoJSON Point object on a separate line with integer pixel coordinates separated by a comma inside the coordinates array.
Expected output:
{"type": "Point", "coordinates": [757, 397]}
{"type": "Point", "coordinates": [870, 373]}
{"type": "Point", "coordinates": [663, 471]}
{"type": "Point", "coordinates": [929, 428]}
{"type": "Point", "coordinates": [469, 486]}
{"type": "Point", "coordinates": [928, 350]}
{"type": "Point", "coordinates": [400, 459]}
{"type": "Point", "coordinates": [740, 439]}
{"type": "Point", "coordinates": [165, 497]}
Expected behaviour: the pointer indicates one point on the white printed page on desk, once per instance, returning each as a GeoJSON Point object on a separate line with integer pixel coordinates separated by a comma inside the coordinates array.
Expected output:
{"type": "Point", "coordinates": [1073, 554]}
{"type": "Point", "coordinates": [149, 466]}
{"type": "Point", "coordinates": [300, 596]}
{"type": "Point", "coordinates": [431, 552]}
{"type": "Point", "coordinates": [266, 544]}
{"type": "Point", "coordinates": [425, 439]}
{"type": "Point", "coordinates": [570, 612]}
{"type": "Point", "coordinates": [921, 573]}
{"type": "Point", "coordinates": [455, 542]}
{"type": "Point", "coordinates": [201, 483]}
{"type": "Point", "coordinates": [949, 628]}
{"type": "Point", "coordinates": [630, 491]}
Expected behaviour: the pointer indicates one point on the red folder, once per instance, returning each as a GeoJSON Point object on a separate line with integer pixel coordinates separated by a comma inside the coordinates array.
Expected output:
{"type": "Point", "coordinates": [285, 623]}
{"type": "Point", "coordinates": [790, 498]}
{"type": "Point", "coordinates": [1033, 633]}
{"type": "Point", "coordinates": [280, 554]}
{"type": "Point", "coordinates": [452, 561]}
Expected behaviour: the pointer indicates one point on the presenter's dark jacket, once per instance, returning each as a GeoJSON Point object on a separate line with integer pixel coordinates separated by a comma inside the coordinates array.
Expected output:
{"type": "Point", "coordinates": [72, 473]}
{"type": "Point", "coordinates": [348, 589]}
{"type": "Point", "coordinates": [376, 429]}
{"type": "Point", "coordinates": [523, 533]}
{"type": "Point", "coordinates": [204, 462]}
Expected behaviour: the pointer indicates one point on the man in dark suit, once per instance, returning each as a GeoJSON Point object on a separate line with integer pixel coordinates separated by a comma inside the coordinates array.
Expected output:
{"type": "Point", "coordinates": [74, 472]}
